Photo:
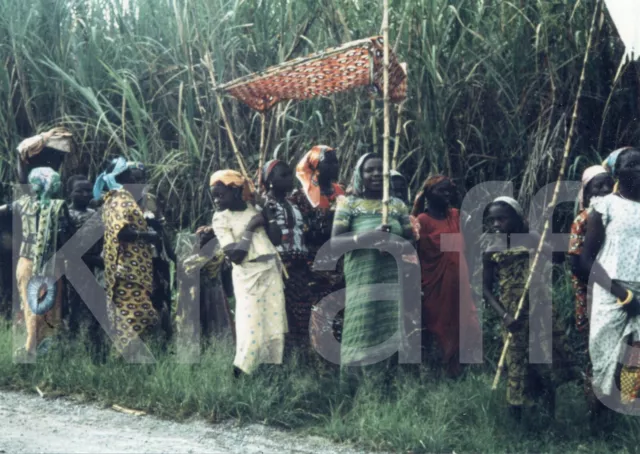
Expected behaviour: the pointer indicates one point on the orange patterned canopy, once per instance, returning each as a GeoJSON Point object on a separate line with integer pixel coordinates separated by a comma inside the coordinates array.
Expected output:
{"type": "Point", "coordinates": [355, 64]}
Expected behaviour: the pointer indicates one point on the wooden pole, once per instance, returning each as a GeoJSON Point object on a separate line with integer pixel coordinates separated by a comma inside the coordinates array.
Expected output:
{"type": "Point", "coordinates": [396, 145]}
{"type": "Point", "coordinates": [385, 138]}
{"type": "Point", "coordinates": [212, 74]}
{"type": "Point", "coordinates": [556, 191]}
{"type": "Point", "coordinates": [263, 147]}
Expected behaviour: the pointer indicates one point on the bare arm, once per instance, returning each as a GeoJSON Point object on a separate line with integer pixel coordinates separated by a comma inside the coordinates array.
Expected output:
{"type": "Point", "coordinates": [237, 252]}
{"type": "Point", "coordinates": [589, 265]}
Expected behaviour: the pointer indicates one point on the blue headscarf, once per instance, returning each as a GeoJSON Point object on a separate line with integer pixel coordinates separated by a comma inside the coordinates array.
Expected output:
{"type": "Point", "coordinates": [107, 181]}
{"type": "Point", "coordinates": [610, 163]}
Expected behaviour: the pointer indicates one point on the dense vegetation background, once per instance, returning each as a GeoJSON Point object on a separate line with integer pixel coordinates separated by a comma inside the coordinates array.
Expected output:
{"type": "Point", "coordinates": [491, 85]}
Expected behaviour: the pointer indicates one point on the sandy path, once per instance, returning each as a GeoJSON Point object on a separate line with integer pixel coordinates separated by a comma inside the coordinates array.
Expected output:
{"type": "Point", "coordinates": [30, 424]}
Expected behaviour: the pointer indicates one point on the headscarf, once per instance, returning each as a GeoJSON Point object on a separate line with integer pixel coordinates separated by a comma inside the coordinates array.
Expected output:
{"type": "Point", "coordinates": [589, 174]}
{"type": "Point", "coordinates": [307, 173]}
{"type": "Point", "coordinates": [513, 203]}
{"type": "Point", "coordinates": [57, 138]}
{"type": "Point", "coordinates": [610, 163]}
{"type": "Point", "coordinates": [45, 184]}
{"type": "Point", "coordinates": [233, 179]}
{"type": "Point", "coordinates": [395, 173]}
{"type": "Point", "coordinates": [268, 168]}
{"type": "Point", "coordinates": [357, 183]}
{"type": "Point", "coordinates": [418, 205]}
{"type": "Point", "coordinates": [107, 181]}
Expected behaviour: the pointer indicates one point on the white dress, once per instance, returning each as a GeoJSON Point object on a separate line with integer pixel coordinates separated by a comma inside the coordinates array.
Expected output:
{"type": "Point", "coordinates": [610, 326]}
{"type": "Point", "coordinates": [261, 320]}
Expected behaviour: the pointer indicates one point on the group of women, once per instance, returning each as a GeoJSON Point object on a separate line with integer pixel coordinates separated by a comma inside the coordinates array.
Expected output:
{"type": "Point", "coordinates": [275, 239]}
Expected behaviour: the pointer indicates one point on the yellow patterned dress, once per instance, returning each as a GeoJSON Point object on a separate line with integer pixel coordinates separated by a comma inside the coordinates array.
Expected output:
{"type": "Point", "coordinates": [128, 270]}
{"type": "Point", "coordinates": [527, 381]}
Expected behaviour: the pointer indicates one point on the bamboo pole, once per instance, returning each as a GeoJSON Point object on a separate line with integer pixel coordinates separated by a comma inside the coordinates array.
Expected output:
{"type": "Point", "coordinates": [556, 191]}
{"type": "Point", "coordinates": [385, 138]}
{"type": "Point", "coordinates": [243, 167]}
{"type": "Point", "coordinates": [396, 145]}
{"type": "Point", "coordinates": [263, 147]}
{"type": "Point", "coordinates": [374, 129]}
{"type": "Point", "coordinates": [212, 74]}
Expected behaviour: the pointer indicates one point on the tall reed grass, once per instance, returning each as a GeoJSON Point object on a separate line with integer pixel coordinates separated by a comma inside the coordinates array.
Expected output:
{"type": "Point", "coordinates": [490, 86]}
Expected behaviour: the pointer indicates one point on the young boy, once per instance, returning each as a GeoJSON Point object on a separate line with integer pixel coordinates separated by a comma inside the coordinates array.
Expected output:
{"type": "Point", "coordinates": [80, 193]}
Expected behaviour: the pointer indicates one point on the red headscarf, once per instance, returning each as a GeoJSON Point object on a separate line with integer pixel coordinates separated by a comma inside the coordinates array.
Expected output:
{"type": "Point", "coordinates": [418, 205]}
{"type": "Point", "coordinates": [307, 173]}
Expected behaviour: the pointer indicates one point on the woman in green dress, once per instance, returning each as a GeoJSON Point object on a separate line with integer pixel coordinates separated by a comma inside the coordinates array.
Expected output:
{"type": "Point", "coordinates": [369, 323]}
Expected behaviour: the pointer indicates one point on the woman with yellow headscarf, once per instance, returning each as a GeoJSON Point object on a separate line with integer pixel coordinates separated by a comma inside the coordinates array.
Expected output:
{"type": "Point", "coordinates": [247, 238]}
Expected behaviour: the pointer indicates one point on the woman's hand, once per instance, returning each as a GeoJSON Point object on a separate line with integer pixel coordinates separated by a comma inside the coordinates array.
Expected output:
{"type": "Point", "coordinates": [511, 324]}
{"type": "Point", "coordinates": [632, 308]}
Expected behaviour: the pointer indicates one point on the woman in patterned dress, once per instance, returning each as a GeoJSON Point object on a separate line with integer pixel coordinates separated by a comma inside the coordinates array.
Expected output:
{"type": "Point", "coordinates": [277, 179]}
{"type": "Point", "coordinates": [317, 173]}
{"type": "Point", "coordinates": [596, 182]}
{"type": "Point", "coordinates": [46, 226]}
{"type": "Point", "coordinates": [506, 268]}
{"type": "Point", "coordinates": [368, 321]}
{"type": "Point", "coordinates": [128, 266]}
{"type": "Point", "coordinates": [247, 238]}
{"type": "Point", "coordinates": [610, 256]}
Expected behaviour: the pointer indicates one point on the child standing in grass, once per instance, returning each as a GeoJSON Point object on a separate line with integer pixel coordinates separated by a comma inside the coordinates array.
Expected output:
{"type": "Point", "coordinates": [507, 270]}
{"type": "Point", "coordinates": [80, 193]}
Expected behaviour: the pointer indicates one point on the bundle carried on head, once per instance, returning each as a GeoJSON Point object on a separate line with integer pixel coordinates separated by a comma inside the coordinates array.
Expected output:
{"type": "Point", "coordinates": [59, 139]}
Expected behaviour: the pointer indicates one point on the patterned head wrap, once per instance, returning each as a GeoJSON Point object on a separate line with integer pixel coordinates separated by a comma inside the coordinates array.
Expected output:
{"type": "Point", "coordinates": [307, 173]}
{"type": "Point", "coordinates": [589, 174]}
{"type": "Point", "coordinates": [58, 138]}
{"type": "Point", "coordinates": [233, 179]}
{"type": "Point", "coordinates": [268, 168]}
{"type": "Point", "coordinates": [45, 184]}
{"type": "Point", "coordinates": [513, 203]}
{"type": "Point", "coordinates": [107, 181]}
{"type": "Point", "coordinates": [357, 183]}
{"type": "Point", "coordinates": [427, 187]}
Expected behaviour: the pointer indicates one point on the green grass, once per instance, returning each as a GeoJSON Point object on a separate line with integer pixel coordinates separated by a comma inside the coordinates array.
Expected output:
{"type": "Point", "coordinates": [423, 412]}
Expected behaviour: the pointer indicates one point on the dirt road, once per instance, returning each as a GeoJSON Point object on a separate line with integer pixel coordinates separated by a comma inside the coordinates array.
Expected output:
{"type": "Point", "coordinates": [30, 424]}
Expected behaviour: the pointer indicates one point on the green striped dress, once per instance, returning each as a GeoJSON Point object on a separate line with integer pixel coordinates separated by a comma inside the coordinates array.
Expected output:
{"type": "Point", "coordinates": [369, 322]}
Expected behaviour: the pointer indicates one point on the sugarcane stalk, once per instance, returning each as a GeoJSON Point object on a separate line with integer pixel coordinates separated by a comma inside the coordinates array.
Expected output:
{"type": "Point", "coordinates": [263, 148]}
{"type": "Point", "coordinates": [396, 145]}
{"type": "Point", "coordinates": [374, 129]}
{"type": "Point", "coordinates": [385, 91]}
{"type": "Point", "coordinates": [556, 191]}
{"type": "Point", "coordinates": [212, 74]}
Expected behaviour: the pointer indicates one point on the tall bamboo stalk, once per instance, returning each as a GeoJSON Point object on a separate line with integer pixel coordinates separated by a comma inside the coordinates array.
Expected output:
{"type": "Point", "coordinates": [385, 138]}
{"type": "Point", "coordinates": [263, 146]}
{"type": "Point", "coordinates": [556, 191]}
{"type": "Point", "coordinates": [212, 74]}
{"type": "Point", "coordinates": [374, 129]}
{"type": "Point", "coordinates": [396, 145]}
